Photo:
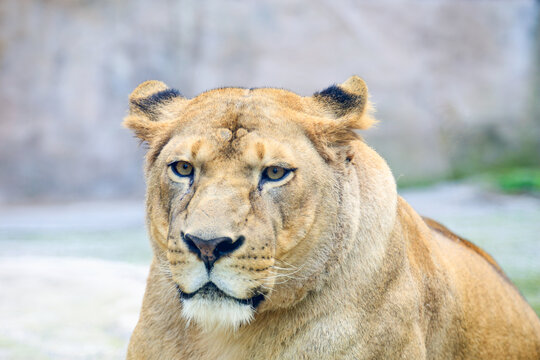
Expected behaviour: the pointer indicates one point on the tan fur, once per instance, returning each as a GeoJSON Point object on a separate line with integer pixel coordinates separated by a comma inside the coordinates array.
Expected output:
{"type": "Point", "coordinates": [347, 268]}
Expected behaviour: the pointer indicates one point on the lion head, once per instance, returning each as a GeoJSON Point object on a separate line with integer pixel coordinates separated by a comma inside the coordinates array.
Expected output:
{"type": "Point", "coordinates": [252, 193]}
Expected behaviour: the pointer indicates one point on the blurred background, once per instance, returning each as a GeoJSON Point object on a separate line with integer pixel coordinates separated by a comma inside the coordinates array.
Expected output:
{"type": "Point", "coordinates": [456, 84]}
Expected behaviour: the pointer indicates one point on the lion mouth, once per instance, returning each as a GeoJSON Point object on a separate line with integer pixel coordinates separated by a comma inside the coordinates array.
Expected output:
{"type": "Point", "coordinates": [211, 292]}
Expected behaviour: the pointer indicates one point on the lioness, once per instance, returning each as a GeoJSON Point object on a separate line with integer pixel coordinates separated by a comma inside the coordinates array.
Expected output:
{"type": "Point", "coordinates": [277, 233]}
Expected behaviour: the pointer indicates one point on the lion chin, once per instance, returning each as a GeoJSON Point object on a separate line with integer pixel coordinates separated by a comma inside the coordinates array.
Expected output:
{"type": "Point", "coordinates": [211, 309]}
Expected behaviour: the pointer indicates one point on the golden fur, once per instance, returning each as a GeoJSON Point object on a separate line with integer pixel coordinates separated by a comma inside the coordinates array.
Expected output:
{"type": "Point", "coordinates": [346, 268]}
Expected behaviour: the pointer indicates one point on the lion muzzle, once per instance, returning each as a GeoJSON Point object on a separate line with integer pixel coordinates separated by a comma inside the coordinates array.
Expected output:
{"type": "Point", "coordinates": [210, 250]}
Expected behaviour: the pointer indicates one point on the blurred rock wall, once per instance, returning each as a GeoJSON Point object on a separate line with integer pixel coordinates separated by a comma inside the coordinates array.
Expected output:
{"type": "Point", "coordinates": [453, 80]}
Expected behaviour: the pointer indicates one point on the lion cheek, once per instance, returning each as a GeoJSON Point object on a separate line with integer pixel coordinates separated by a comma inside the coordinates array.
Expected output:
{"type": "Point", "coordinates": [293, 234]}
{"type": "Point", "coordinates": [158, 233]}
{"type": "Point", "coordinates": [188, 275]}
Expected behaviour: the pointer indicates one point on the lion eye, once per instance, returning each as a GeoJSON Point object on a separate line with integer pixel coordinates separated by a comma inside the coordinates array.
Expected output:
{"type": "Point", "coordinates": [182, 168]}
{"type": "Point", "coordinates": [275, 173]}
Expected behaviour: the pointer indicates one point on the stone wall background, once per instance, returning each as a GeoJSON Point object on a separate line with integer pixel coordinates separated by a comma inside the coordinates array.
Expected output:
{"type": "Point", "coordinates": [455, 82]}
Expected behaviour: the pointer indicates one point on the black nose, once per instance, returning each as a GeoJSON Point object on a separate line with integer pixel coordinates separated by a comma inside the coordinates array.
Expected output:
{"type": "Point", "coordinates": [209, 251]}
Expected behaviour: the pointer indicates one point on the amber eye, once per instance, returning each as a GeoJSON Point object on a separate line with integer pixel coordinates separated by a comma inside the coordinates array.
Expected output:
{"type": "Point", "coordinates": [182, 168]}
{"type": "Point", "coordinates": [275, 173]}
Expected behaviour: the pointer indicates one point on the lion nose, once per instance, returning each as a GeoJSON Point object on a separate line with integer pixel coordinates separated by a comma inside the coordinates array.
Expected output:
{"type": "Point", "coordinates": [209, 251]}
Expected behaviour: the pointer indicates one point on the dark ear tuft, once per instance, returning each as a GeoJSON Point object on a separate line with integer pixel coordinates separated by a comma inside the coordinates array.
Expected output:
{"type": "Point", "coordinates": [146, 104]}
{"type": "Point", "coordinates": [340, 101]}
{"type": "Point", "coordinates": [148, 98]}
{"type": "Point", "coordinates": [149, 103]}
{"type": "Point", "coordinates": [346, 104]}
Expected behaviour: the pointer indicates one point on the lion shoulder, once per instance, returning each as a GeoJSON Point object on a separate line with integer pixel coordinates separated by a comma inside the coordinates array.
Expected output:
{"type": "Point", "coordinates": [444, 231]}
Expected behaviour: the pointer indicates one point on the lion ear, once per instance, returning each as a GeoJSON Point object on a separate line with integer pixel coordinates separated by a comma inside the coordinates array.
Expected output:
{"type": "Point", "coordinates": [347, 105]}
{"type": "Point", "coordinates": [339, 110]}
{"type": "Point", "coordinates": [152, 106]}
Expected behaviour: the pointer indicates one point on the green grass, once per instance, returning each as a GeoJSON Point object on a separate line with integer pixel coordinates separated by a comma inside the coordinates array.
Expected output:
{"type": "Point", "coordinates": [518, 180]}
{"type": "Point", "coordinates": [511, 180]}
{"type": "Point", "coordinates": [408, 183]}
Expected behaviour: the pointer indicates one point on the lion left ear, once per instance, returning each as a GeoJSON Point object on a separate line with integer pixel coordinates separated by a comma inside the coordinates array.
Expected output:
{"type": "Point", "coordinates": [347, 104]}
{"type": "Point", "coordinates": [336, 112]}
{"type": "Point", "coordinates": [339, 110]}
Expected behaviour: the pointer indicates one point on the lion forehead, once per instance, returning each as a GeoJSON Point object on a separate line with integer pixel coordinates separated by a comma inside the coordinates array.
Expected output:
{"type": "Point", "coordinates": [254, 147]}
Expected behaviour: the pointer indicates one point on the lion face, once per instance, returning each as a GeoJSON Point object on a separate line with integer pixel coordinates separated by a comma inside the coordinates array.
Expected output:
{"type": "Point", "coordinates": [244, 193]}
{"type": "Point", "coordinates": [240, 200]}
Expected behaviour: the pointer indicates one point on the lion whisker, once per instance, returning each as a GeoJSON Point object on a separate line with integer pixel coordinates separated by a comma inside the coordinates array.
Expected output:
{"type": "Point", "coordinates": [286, 263]}
{"type": "Point", "coordinates": [281, 268]}
{"type": "Point", "coordinates": [290, 273]}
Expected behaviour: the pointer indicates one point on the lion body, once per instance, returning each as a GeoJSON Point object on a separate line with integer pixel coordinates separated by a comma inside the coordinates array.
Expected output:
{"type": "Point", "coordinates": [347, 268]}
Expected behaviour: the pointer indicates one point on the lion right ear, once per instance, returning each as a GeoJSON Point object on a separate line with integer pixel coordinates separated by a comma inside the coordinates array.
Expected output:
{"type": "Point", "coordinates": [347, 105]}
{"type": "Point", "coordinates": [152, 108]}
